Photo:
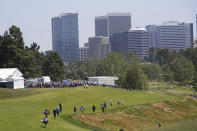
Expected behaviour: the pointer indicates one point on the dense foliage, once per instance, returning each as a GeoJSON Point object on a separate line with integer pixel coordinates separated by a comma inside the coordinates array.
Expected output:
{"type": "Point", "coordinates": [29, 60]}
{"type": "Point", "coordinates": [176, 66]}
{"type": "Point", "coordinates": [112, 65]}
{"type": "Point", "coordinates": [135, 79]}
{"type": "Point", "coordinates": [153, 71]}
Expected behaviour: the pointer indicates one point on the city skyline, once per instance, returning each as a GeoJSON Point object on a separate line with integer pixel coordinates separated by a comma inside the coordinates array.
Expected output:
{"type": "Point", "coordinates": [34, 17]}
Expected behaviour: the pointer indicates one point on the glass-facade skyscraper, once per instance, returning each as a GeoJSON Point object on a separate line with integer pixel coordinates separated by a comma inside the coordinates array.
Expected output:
{"type": "Point", "coordinates": [65, 36]}
{"type": "Point", "coordinates": [112, 23]}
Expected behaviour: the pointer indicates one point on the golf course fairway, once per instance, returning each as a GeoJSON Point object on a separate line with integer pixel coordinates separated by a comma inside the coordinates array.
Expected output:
{"type": "Point", "coordinates": [22, 110]}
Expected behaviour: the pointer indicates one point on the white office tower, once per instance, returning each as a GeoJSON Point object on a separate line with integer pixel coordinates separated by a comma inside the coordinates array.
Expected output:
{"type": "Point", "coordinates": [174, 35]}
{"type": "Point", "coordinates": [138, 41]}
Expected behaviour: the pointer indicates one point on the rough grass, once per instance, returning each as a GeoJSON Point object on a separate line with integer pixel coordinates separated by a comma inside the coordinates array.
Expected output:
{"type": "Point", "coordinates": [141, 117]}
{"type": "Point", "coordinates": [189, 125]}
{"type": "Point", "coordinates": [182, 90]}
{"type": "Point", "coordinates": [170, 88]}
{"type": "Point", "coordinates": [22, 110]}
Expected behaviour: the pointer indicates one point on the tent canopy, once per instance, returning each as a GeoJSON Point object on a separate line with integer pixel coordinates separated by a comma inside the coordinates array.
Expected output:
{"type": "Point", "coordinates": [14, 78]}
{"type": "Point", "coordinates": [13, 73]}
{"type": "Point", "coordinates": [11, 78]}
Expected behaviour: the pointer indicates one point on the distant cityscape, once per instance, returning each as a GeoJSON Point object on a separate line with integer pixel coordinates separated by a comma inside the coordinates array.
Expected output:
{"type": "Point", "coordinates": [113, 33]}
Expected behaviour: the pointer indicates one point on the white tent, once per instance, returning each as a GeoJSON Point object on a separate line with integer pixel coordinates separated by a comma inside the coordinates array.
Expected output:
{"type": "Point", "coordinates": [45, 79]}
{"type": "Point", "coordinates": [103, 80]}
{"type": "Point", "coordinates": [11, 78]}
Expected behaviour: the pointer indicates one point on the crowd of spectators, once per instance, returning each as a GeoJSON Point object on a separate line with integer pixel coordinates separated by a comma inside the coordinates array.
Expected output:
{"type": "Point", "coordinates": [55, 84]}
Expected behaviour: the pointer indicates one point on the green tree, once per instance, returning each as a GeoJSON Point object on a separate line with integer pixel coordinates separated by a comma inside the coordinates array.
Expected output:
{"type": "Point", "coordinates": [167, 73]}
{"type": "Point", "coordinates": [112, 65]}
{"type": "Point", "coordinates": [135, 78]}
{"type": "Point", "coordinates": [13, 54]}
{"type": "Point", "coordinates": [12, 48]}
{"type": "Point", "coordinates": [152, 54]}
{"type": "Point", "coordinates": [81, 70]}
{"type": "Point", "coordinates": [153, 71]}
{"type": "Point", "coordinates": [132, 57]}
{"type": "Point", "coordinates": [195, 82]}
{"type": "Point", "coordinates": [191, 54]}
{"type": "Point", "coordinates": [90, 67]}
{"type": "Point", "coordinates": [73, 69]}
{"type": "Point", "coordinates": [53, 66]}
{"type": "Point", "coordinates": [164, 56]}
{"type": "Point", "coordinates": [183, 69]}
{"type": "Point", "coordinates": [33, 61]}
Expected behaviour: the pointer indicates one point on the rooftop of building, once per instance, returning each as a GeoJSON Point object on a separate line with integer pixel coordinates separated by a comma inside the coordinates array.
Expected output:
{"type": "Point", "coordinates": [100, 17]}
{"type": "Point", "coordinates": [9, 72]}
{"type": "Point", "coordinates": [65, 14]}
{"type": "Point", "coordinates": [113, 14]}
{"type": "Point", "coordinates": [99, 37]}
{"type": "Point", "coordinates": [137, 29]}
{"type": "Point", "coordinates": [104, 77]}
{"type": "Point", "coordinates": [83, 47]}
{"type": "Point", "coordinates": [119, 14]}
{"type": "Point", "coordinates": [174, 23]}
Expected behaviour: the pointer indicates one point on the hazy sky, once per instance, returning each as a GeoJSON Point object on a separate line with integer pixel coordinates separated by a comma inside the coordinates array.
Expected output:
{"type": "Point", "coordinates": [34, 16]}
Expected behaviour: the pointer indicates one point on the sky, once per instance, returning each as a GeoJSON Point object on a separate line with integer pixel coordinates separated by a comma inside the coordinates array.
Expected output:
{"type": "Point", "coordinates": [34, 16]}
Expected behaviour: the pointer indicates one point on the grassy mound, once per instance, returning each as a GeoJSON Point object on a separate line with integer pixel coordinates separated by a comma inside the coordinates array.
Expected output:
{"type": "Point", "coordinates": [141, 117]}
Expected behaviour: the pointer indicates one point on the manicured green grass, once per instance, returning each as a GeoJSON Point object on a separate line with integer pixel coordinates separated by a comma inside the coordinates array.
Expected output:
{"type": "Point", "coordinates": [10, 93]}
{"type": "Point", "coordinates": [22, 110]}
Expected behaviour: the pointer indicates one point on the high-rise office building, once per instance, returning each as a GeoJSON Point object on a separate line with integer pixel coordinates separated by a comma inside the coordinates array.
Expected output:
{"type": "Point", "coordinates": [138, 42]}
{"type": "Point", "coordinates": [174, 35]}
{"type": "Point", "coordinates": [152, 35]}
{"type": "Point", "coordinates": [119, 43]}
{"type": "Point", "coordinates": [65, 36]}
{"type": "Point", "coordinates": [196, 26]}
{"type": "Point", "coordinates": [83, 53]}
{"type": "Point", "coordinates": [86, 45]}
{"type": "Point", "coordinates": [134, 40]}
{"type": "Point", "coordinates": [112, 23]}
{"type": "Point", "coordinates": [99, 47]}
